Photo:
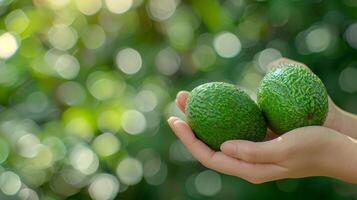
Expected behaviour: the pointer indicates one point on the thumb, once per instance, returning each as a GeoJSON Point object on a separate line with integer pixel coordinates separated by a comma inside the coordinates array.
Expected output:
{"type": "Point", "coordinates": [181, 99]}
{"type": "Point", "coordinates": [256, 152]}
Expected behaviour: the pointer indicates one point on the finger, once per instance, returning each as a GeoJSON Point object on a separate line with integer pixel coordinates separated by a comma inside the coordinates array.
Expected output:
{"type": "Point", "coordinates": [198, 149]}
{"type": "Point", "coordinates": [181, 99]}
{"type": "Point", "coordinates": [205, 155]}
{"type": "Point", "coordinates": [252, 172]}
{"type": "Point", "coordinates": [271, 151]}
{"type": "Point", "coordinates": [260, 173]}
{"type": "Point", "coordinates": [221, 162]}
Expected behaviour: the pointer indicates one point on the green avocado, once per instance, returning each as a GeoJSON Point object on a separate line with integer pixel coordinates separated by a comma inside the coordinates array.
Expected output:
{"type": "Point", "coordinates": [219, 111]}
{"type": "Point", "coordinates": [292, 96]}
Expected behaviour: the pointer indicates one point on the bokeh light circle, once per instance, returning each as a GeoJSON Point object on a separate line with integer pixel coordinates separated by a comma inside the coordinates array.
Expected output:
{"type": "Point", "coordinates": [161, 10]}
{"type": "Point", "coordinates": [130, 171]}
{"type": "Point", "coordinates": [267, 56]}
{"type": "Point", "coordinates": [108, 120]}
{"type": "Point", "coordinates": [89, 7]}
{"type": "Point", "coordinates": [43, 158]}
{"type": "Point", "coordinates": [103, 187]}
{"type": "Point", "coordinates": [146, 100]}
{"type": "Point", "coordinates": [155, 169]}
{"type": "Point", "coordinates": [94, 37]}
{"type": "Point", "coordinates": [10, 183]}
{"type": "Point", "coordinates": [28, 194]}
{"type": "Point", "coordinates": [62, 37]}
{"type": "Point", "coordinates": [57, 147]}
{"type": "Point", "coordinates": [9, 74]}
{"type": "Point", "coordinates": [17, 21]}
{"type": "Point", "coordinates": [167, 61]}
{"type": "Point", "coordinates": [347, 79]}
{"type": "Point", "coordinates": [37, 102]}
{"type": "Point", "coordinates": [8, 44]}
{"type": "Point", "coordinates": [106, 144]}
{"type": "Point", "coordinates": [28, 145]}
{"type": "Point", "coordinates": [104, 85]}
{"type": "Point", "coordinates": [84, 159]}
{"type": "Point", "coordinates": [208, 183]}
{"type": "Point", "coordinates": [227, 44]}
{"type": "Point", "coordinates": [133, 122]}
{"type": "Point", "coordinates": [67, 66]}
{"type": "Point", "coordinates": [318, 39]}
{"type": "Point", "coordinates": [57, 4]}
{"type": "Point", "coordinates": [129, 61]}
{"type": "Point", "coordinates": [351, 35]}
{"type": "Point", "coordinates": [204, 57]}
{"type": "Point", "coordinates": [118, 7]}
{"type": "Point", "coordinates": [71, 93]}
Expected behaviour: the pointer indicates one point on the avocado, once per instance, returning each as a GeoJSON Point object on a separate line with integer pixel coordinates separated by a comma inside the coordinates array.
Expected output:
{"type": "Point", "coordinates": [292, 96]}
{"type": "Point", "coordinates": [219, 111]}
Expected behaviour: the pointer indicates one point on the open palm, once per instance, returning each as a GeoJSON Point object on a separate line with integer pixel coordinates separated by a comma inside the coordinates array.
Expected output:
{"type": "Point", "coordinates": [307, 151]}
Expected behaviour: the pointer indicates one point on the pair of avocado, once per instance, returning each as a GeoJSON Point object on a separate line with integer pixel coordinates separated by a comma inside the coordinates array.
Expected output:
{"type": "Point", "coordinates": [289, 97]}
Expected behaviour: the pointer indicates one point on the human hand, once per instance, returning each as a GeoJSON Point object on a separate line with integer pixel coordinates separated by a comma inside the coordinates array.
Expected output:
{"type": "Point", "coordinates": [307, 151]}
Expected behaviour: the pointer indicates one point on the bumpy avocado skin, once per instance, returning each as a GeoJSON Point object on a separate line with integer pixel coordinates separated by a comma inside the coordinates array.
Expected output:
{"type": "Point", "coordinates": [291, 96]}
{"type": "Point", "coordinates": [219, 111]}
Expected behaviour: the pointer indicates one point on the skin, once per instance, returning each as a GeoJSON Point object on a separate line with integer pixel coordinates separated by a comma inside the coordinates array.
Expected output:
{"type": "Point", "coordinates": [328, 150]}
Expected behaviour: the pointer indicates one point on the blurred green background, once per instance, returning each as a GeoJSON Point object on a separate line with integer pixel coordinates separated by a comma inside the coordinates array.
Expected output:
{"type": "Point", "coordinates": [86, 87]}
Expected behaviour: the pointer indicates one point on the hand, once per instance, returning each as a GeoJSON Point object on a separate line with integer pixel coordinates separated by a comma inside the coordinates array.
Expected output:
{"type": "Point", "coordinates": [308, 151]}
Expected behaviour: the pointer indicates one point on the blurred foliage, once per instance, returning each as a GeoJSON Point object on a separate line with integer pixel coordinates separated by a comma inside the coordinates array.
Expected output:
{"type": "Point", "coordinates": [86, 87]}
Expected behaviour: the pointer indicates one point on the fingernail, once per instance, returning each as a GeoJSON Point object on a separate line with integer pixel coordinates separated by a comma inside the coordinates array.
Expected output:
{"type": "Point", "coordinates": [178, 94]}
{"type": "Point", "coordinates": [181, 92]}
{"type": "Point", "coordinates": [170, 120]}
{"type": "Point", "coordinates": [177, 121]}
{"type": "Point", "coordinates": [228, 147]}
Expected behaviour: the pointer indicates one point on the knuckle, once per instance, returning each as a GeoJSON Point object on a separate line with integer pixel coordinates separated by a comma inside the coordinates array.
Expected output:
{"type": "Point", "coordinates": [206, 162]}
